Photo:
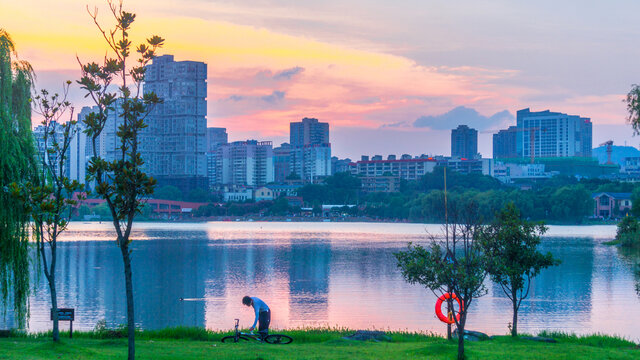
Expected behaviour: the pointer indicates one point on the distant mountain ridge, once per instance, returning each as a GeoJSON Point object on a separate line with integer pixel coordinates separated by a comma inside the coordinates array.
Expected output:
{"type": "Point", "coordinates": [618, 154]}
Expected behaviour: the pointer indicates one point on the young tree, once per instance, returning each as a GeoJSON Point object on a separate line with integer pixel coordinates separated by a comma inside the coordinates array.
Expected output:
{"type": "Point", "coordinates": [50, 196]}
{"type": "Point", "coordinates": [121, 182]}
{"type": "Point", "coordinates": [17, 165]}
{"type": "Point", "coordinates": [456, 265]}
{"type": "Point", "coordinates": [633, 108]}
{"type": "Point", "coordinates": [511, 246]}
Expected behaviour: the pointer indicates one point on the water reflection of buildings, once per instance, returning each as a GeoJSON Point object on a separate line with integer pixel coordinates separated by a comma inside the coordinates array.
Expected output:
{"type": "Point", "coordinates": [292, 277]}
{"type": "Point", "coordinates": [167, 270]}
{"type": "Point", "coordinates": [309, 283]}
{"type": "Point", "coordinates": [313, 278]}
{"type": "Point", "coordinates": [90, 279]}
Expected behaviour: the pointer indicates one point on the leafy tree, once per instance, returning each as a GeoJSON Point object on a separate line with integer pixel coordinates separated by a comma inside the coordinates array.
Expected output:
{"type": "Point", "coordinates": [168, 192]}
{"type": "Point", "coordinates": [454, 266]}
{"type": "Point", "coordinates": [121, 182]}
{"type": "Point", "coordinates": [197, 195]}
{"type": "Point", "coordinates": [628, 232]}
{"type": "Point", "coordinates": [280, 207]}
{"type": "Point", "coordinates": [102, 210]}
{"type": "Point", "coordinates": [571, 203]}
{"type": "Point", "coordinates": [457, 181]}
{"type": "Point", "coordinates": [510, 245]}
{"type": "Point", "coordinates": [83, 210]}
{"type": "Point", "coordinates": [18, 165]}
{"type": "Point", "coordinates": [633, 108]}
{"type": "Point", "coordinates": [314, 193]}
{"type": "Point", "coordinates": [50, 196]}
{"type": "Point", "coordinates": [343, 188]}
{"type": "Point", "coordinates": [146, 211]}
{"type": "Point", "coordinates": [635, 201]}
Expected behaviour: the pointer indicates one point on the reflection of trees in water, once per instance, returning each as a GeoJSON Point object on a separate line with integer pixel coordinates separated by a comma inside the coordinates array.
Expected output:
{"type": "Point", "coordinates": [369, 264]}
{"type": "Point", "coordinates": [571, 281]}
{"type": "Point", "coordinates": [631, 256]}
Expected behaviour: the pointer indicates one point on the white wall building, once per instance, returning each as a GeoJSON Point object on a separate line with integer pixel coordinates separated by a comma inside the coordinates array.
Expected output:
{"type": "Point", "coordinates": [317, 162]}
{"type": "Point", "coordinates": [239, 195]}
{"type": "Point", "coordinates": [554, 134]}
{"type": "Point", "coordinates": [248, 163]}
{"type": "Point", "coordinates": [507, 172]}
{"type": "Point", "coordinates": [405, 168]}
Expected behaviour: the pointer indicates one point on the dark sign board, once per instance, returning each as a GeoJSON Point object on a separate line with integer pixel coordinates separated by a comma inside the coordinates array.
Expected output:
{"type": "Point", "coordinates": [64, 314]}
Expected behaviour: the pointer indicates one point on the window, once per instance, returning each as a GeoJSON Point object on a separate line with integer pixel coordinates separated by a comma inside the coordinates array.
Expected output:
{"type": "Point", "coordinates": [604, 200]}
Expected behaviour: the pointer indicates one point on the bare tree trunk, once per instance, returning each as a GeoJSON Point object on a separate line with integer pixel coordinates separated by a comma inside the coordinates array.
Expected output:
{"type": "Point", "coordinates": [514, 328]}
{"type": "Point", "coordinates": [449, 311]}
{"type": "Point", "coordinates": [461, 336]}
{"type": "Point", "coordinates": [131, 325]}
{"type": "Point", "coordinates": [461, 342]}
{"type": "Point", "coordinates": [54, 307]}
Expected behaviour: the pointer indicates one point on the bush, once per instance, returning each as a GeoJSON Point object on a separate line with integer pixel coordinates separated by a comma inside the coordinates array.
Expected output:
{"type": "Point", "coordinates": [628, 233]}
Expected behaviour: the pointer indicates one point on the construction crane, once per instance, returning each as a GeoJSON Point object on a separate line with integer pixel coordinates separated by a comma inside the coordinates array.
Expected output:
{"type": "Point", "coordinates": [609, 145]}
{"type": "Point", "coordinates": [532, 137]}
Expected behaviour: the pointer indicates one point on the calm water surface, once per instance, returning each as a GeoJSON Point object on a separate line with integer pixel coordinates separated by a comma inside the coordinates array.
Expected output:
{"type": "Point", "coordinates": [322, 274]}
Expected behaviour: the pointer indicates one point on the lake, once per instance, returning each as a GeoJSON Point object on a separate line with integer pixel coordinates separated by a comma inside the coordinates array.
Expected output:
{"type": "Point", "coordinates": [321, 274]}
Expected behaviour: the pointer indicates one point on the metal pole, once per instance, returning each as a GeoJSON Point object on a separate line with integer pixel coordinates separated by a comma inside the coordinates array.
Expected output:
{"type": "Point", "coordinates": [446, 231]}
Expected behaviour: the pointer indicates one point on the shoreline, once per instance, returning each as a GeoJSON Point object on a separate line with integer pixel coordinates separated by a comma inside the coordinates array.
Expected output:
{"type": "Point", "coordinates": [318, 219]}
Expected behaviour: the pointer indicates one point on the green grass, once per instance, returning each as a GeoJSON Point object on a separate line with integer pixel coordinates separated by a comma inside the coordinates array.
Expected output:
{"type": "Point", "coordinates": [194, 343]}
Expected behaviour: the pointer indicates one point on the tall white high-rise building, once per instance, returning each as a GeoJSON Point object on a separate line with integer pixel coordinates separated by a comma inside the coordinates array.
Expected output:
{"type": "Point", "coordinates": [78, 158]}
{"type": "Point", "coordinates": [174, 143]}
{"type": "Point", "coordinates": [317, 161]}
{"type": "Point", "coordinates": [554, 134]}
{"type": "Point", "coordinates": [43, 145]}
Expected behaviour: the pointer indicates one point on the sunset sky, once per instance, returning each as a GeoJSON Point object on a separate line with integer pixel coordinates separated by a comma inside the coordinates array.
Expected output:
{"type": "Point", "coordinates": [391, 77]}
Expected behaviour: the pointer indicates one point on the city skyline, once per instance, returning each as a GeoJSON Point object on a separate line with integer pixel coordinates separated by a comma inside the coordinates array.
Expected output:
{"type": "Point", "coordinates": [269, 68]}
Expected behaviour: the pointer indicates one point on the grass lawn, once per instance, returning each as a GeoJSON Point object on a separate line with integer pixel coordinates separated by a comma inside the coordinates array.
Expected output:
{"type": "Point", "coordinates": [309, 344]}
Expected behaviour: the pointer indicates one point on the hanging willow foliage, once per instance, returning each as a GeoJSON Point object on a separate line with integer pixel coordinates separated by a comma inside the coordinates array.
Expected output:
{"type": "Point", "coordinates": [17, 165]}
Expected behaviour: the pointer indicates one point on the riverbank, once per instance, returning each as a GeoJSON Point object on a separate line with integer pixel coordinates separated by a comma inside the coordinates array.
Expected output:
{"type": "Point", "coordinates": [316, 219]}
{"type": "Point", "coordinates": [196, 343]}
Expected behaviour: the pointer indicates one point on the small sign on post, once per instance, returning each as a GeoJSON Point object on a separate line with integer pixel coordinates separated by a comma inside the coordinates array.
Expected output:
{"type": "Point", "coordinates": [66, 314]}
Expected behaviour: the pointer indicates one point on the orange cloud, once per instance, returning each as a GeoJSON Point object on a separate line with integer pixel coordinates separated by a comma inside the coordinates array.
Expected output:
{"type": "Point", "coordinates": [345, 85]}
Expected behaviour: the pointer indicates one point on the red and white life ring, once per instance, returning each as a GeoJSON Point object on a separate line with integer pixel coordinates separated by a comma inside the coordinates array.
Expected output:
{"type": "Point", "coordinates": [443, 317]}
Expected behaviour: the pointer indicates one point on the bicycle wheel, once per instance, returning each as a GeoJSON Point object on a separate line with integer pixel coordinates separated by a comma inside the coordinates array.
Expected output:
{"type": "Point", "coordinates": [278, 339]}
{"type": "Point", "coordinates": [232, 339]}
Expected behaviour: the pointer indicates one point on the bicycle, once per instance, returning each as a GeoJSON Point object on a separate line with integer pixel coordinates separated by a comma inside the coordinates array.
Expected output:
{"type": "Point", "coordinates": [269, 339]}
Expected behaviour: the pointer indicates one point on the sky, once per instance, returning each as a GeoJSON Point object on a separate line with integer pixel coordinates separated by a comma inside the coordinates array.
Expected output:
{"type": "Point", "coordinates": [390, 77]}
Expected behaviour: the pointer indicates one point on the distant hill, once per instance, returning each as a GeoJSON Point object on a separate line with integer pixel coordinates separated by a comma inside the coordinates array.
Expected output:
{"type": "Point", "coordinates": [618, 153]}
